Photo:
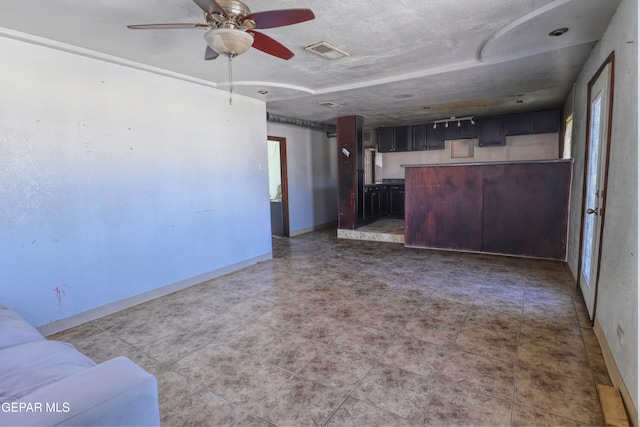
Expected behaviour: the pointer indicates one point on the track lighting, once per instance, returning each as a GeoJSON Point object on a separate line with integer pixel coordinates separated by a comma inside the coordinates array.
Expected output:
{"type": "Point", "coordinates": [453, 119]}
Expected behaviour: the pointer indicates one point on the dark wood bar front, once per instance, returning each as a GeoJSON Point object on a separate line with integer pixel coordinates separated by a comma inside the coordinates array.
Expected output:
{"type": "Point", "coordinates": [512, 208]}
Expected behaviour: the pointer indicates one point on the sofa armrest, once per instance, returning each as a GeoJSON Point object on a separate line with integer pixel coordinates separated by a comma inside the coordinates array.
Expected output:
{"type": "Point", "coordinates": [115, 393]}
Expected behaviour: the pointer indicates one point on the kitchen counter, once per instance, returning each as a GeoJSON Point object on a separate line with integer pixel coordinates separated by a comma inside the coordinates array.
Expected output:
{"type": "Point", "coordinates": [511, 162]}
{"type": "Point", "coordinates": [513, 208]}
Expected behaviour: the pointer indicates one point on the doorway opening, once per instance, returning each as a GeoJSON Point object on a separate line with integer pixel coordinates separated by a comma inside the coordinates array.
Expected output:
{"type": "Point", "coordinates": [278, 186]}
{"type": "Point", "coordinates": [598, 144]}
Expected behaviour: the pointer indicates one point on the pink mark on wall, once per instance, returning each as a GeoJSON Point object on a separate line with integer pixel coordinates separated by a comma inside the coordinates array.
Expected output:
{"type": "Point", "coordinates": [59, 294]}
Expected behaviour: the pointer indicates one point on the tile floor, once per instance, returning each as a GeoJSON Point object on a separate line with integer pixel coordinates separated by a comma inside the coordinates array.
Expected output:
{"type": "Point", "coordinates": [340, 332]}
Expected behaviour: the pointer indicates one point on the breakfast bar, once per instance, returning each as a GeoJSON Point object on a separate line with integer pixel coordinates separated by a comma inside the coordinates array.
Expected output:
{"type": "Point", "coordinates": [514, 208]}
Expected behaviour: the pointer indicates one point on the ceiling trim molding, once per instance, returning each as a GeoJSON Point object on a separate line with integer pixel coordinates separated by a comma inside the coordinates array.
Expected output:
{"type": "Point", "coordinates": [505, 30]}
{"type": "Point", "coordinates": [87, 53]}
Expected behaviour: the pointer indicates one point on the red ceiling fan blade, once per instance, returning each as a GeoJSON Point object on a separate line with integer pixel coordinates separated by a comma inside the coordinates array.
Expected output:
{"type": "Point", "coordinates": [165, 26]}
{"type": "Point", "coordinates": [280, 18]}
{"type": "Point", "coordinates": [210, 54]}
{"type": "Point", "coordinates": [268, 45]}
{"type": "Point", "coordinates": [211, 6]}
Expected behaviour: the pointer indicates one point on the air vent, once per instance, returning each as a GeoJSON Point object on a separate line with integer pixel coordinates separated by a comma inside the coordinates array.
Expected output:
{"type": "Point", "coordinates": [325, 50]}
{"type": "Point", "coordinates": [330, 104]}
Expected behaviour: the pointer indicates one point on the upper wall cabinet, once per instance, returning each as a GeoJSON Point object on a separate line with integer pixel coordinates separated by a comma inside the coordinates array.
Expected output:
{"type": "Point", "coordinates": [460, 130]}
{"type": "Point", "coordinates": [528, 123]}
{"type": "Point", "coordinates": [425, 137]}
{"type": "Point", "coordinates": [491, 132]}
{"type": "Point", "coordinates": [394, 139]}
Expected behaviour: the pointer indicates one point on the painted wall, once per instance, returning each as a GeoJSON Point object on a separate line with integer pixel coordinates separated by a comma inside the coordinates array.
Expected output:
{"type": "Point", "coordinates": [522, 147]}
{"type": "Point", "coordinates": [116, 181]}
{"type": "Point", "coordinates": [618, 289]}
{"type": "Point", "coordinates": [313, 176]}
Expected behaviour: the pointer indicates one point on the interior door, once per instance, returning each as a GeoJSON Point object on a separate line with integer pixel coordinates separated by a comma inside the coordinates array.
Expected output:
{"type": "Point", "coordinates": [278, 186]}
{"type": "Point", "coordinates": [599, 116]}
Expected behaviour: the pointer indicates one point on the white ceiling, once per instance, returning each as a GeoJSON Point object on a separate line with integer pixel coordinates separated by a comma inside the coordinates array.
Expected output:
{"type": "Point", "coordinates": [411, 60]}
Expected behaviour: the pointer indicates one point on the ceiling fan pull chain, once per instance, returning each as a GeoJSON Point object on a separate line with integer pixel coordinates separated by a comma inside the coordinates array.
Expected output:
{"type": "Point", "coordinates": [230, 80]}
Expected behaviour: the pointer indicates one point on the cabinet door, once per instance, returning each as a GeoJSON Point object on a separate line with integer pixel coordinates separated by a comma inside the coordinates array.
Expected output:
{"type": "Point", "coordinates": [384, 201]}
{"type": "Point", "coordinates": [545, 121]}
{"type": "Point", "coordinates": [419, 137]}
{"type": "Point", "coordinates": [425, 137]}
{"type": "Point", "coordinates": [375, 203]}
{"type": "Point", "coordinates": [450, 130]}
{"type": "Point", "coordinates": [402, 138]}
{"type": "Point", "coordinates": [517, 124]}
{"type": "Point", "coordinates": [396, 201]}
{"type": "Point", "coordinates": [368, 206]}
{"type": "Point", "coordinates": [435, 138]}
{"type": "Point", "coordinates": [491, 132]}
{"type": "Point", "coordinates": [385, 140]}
{"type": "Point", "coordinates": [467, 129]}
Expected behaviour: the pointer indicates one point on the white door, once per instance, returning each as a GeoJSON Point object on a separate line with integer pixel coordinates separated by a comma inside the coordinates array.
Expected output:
{"type": "Point", "coordinates": [599, 108]}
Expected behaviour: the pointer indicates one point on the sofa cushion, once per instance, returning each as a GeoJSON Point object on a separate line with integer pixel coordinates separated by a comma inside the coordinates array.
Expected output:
{"type": "Point", "coordinates": [14, 330]}
{"type": "Point", "coordinates": [28, 367]}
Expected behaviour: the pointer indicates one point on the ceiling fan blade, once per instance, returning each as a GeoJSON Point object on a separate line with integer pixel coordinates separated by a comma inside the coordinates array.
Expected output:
{"type": "Point", "coordinates": [268, 45]}
{"type": "Point", "coordinates": [280, 18]}
{"type": "Point", "coordinates": [165, 26]}
{"type": "Point", "coordinates": [210, 54]}
{"type": "Point", "coordinates": [211, 6]}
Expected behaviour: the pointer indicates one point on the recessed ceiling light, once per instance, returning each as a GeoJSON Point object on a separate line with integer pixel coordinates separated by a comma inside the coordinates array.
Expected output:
{"type": "Point", "coordinates": [263, 92]}
{"type": "Point", "coordinates": [558, 32]}
{"type": "Point", "coordinates": [325, 50]}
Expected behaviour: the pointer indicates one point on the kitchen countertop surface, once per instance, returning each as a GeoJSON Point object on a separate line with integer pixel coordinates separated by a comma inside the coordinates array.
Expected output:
{"type": "Point", "coordinates": [487, 163]}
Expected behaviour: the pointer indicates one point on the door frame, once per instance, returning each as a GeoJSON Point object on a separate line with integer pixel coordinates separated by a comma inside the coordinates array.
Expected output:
{"type": "Point", "coordinates": [284, 183]}
{"type": "Point", "coordinates": [607, 149]}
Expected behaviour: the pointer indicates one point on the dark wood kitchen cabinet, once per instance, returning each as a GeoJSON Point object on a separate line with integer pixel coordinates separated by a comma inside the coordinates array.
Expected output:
{"type": "Point", "coordinates": [465, 130]}
{"type": "Point", "coordinates": [383, 200]}
{"type": "Point", "coordinates": [425, 137]}
{"type": "Point", "coordinates": [491, 132]}
{"type": "Point", "coordinates": [396, 201]}
{"type": "Point", "coordinates": [532, 123]}
{"type": "Point", "coordinates": [394, 139]}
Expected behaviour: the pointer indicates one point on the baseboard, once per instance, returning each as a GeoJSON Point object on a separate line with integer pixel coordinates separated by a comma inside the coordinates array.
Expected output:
{"type": "Point", "coordinates": [314, 228]}
{"type": "Point", "coordinates": [614, 373]}
{"type": "Point", "coordinates": [105, 310]}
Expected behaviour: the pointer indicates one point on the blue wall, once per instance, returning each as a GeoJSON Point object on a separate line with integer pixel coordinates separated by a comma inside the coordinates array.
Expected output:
{"type": "Point", "coordinates": [116, 181]}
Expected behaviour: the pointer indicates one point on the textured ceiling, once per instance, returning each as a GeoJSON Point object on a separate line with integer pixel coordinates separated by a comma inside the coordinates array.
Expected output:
{"type": "Point", "coordinates": [410, 60]}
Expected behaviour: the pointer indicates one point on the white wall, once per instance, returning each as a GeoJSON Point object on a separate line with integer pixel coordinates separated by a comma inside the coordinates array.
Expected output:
{"type": "Point", "coordinates": [116, 182]}
{"type": "Point", "coordinates": [313, 176]}
{"type": "Point", "coordinates": [522, 147]}
{"type": "Point", "coordinates": [618, 284]}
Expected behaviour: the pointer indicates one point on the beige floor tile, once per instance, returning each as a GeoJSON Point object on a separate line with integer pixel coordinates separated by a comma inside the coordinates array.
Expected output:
{"type": "Point", "coordinates": [480, 373]}
{"type": "Point", "coordinates": [202, 409]}
{"type": "Point", "coordinates": [456, 406]}
{"type": "Point", "coordinates": [563, 396]}
{"type": "Point", "coordinates": [395, 390]}
{"type": "Point", "coordinates": [417, 356]}
{"type": "Point", "coordinates": [354, 412]}
{"type": "Point", "coordinates": [300, 402]}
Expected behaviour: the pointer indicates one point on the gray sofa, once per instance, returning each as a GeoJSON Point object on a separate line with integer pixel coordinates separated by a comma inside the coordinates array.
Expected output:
{"type": "Point", "coordinates": [47, 383]}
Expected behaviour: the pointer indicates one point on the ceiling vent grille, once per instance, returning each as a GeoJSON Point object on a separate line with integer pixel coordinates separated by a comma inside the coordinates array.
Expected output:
{"type": "Point", "coordinates": [325, 50]}
{"type": "Point", "coordinates": [330, 104]}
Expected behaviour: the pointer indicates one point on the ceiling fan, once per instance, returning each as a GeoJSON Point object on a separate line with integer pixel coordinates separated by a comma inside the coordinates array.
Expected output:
{"type": "Point", "coordinates": [231, 28]}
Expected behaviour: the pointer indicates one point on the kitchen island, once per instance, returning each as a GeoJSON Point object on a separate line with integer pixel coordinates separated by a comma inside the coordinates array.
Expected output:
{"type": "Point", "coordinates": [514, 208]}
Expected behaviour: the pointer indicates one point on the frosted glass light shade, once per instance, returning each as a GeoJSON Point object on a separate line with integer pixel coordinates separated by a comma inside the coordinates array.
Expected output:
{"type": "Point", "coordinates": [228, 42]}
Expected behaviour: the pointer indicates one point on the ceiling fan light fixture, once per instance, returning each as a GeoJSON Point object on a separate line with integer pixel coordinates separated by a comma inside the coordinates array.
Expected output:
{"type": "Point", "coordinates": [228, 42]}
